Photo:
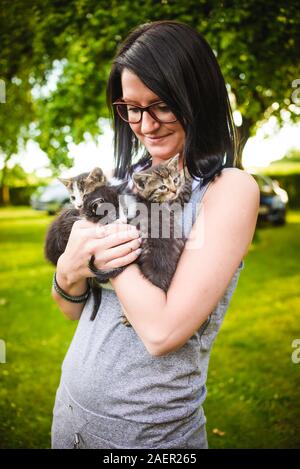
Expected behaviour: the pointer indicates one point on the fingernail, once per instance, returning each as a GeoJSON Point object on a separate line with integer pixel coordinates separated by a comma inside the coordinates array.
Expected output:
{"type": "Point", "coordinates": [138, 251]}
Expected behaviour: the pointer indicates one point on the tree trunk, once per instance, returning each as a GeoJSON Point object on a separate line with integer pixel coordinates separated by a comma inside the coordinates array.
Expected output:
{"type": "Point", "coordinates": [5, 198]}
{"type": "Point", "coordinates": [4, 194]}
{"type": "Point", "coordinates": [243, 133]}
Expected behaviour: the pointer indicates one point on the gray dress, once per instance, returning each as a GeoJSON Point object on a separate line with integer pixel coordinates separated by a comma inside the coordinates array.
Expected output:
{"type": "Point", "coordinates": [114, 394]}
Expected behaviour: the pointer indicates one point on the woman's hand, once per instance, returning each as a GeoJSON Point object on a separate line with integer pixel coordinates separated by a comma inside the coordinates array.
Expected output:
{"type": "Point", "coordinates": [114, 245]}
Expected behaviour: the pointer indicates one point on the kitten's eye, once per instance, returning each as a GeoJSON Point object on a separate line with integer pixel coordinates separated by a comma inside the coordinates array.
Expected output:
{"type": "Point", "coordinates": [175, 180]}
{"type": "Point", "coordinates": [94, 207]}
{"type": "Point", "coordinates": [72, 197]}
{"type": "Point", "coordinates": [163, 187]}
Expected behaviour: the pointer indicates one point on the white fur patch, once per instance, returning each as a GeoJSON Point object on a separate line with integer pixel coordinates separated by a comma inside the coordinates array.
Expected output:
{"type": "Point", "coordinates": [115, 181]}
{"type": "Point", "coordinates": [78, 196]}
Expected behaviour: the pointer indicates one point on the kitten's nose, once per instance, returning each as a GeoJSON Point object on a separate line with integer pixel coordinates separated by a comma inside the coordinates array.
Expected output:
{"type": "Point", "coordinates": [79, 206]}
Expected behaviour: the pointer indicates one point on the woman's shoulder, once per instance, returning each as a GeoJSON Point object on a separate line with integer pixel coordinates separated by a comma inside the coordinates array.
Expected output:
{"type": "Point", "coordinates": [234, 188]}
{"type": "Point", "coordinates": [233, 181]}
{"type": "Point", "coordinates": [238, 175]}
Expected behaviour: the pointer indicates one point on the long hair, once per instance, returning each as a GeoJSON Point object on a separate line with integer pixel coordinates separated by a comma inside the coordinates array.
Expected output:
{"type": "Point", "coordinates": [176, 63]}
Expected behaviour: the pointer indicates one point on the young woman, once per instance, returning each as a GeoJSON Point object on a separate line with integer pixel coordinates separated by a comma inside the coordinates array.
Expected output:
{"type": "Point", "coordinates": [144, 386]}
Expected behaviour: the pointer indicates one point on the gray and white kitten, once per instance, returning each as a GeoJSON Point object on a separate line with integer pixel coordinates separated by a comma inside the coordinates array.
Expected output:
{"type": "Point", "coordinates": [79, 187]}
{"type": "Point", "coordinates": [83, 184]}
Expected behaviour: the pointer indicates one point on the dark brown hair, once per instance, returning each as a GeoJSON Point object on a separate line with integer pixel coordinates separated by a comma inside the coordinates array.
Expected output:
{"type": "Point", "coordinates": [176, 63]}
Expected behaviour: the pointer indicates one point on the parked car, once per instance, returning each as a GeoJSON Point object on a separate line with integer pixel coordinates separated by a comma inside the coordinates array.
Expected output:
{"type": "Point", "coordinates": [273, 200]}
{"type": "Point", "coordinates": [50, 198]}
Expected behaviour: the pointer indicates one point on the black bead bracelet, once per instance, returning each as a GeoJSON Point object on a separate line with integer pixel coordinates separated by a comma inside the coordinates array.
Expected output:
{"type": "Point", "coordinates": [72, 299]}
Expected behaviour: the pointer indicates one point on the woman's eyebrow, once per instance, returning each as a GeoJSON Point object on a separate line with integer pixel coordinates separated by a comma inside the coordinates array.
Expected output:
{"type": "Point", "coordinates": [136, 102]}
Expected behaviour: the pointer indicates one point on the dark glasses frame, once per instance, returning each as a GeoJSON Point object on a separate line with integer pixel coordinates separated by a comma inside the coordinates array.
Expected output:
{"type": "Point", "coordinates": [142, 110]}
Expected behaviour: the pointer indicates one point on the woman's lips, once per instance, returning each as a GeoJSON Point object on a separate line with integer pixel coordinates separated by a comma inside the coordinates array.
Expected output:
{"type": "Point", "coordinates": [156, 139]}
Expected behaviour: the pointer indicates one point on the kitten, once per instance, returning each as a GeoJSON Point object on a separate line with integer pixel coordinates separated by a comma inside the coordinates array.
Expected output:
{"type": "Point", "coordinates": [59, 231]}
{"type": "Point", "coordinates": [83, 184]}
{"type": "Point", "coordinates": [168, 188]}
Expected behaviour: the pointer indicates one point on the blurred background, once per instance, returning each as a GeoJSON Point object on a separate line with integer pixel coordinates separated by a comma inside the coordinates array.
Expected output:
{"type": "Point", "coordinates": [55, 58]}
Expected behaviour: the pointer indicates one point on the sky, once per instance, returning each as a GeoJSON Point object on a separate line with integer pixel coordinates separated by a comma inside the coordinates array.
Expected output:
{"type": "Point", "coordinates": [264, 148]}
{"type": "Point", "coordinates": [268, 145]}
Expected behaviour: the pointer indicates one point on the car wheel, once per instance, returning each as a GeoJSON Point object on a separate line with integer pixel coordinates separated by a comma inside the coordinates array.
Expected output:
{"type": "Point", "coordinates": [279, 222]}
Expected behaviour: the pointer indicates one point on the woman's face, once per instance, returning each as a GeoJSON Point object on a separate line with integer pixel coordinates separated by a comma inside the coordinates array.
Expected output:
{"type": "Point", "coordinates": [149, 131]}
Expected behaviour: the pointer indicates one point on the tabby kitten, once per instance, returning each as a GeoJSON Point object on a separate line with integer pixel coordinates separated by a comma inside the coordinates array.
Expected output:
{"type": "Point", "coordinates": [169, 188]}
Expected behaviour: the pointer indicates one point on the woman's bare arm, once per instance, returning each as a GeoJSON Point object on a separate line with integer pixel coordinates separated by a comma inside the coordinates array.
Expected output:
{"type": "Point", "coordinates": [219, 240]}
{"type": "Point", "coordinates": [70, 310]}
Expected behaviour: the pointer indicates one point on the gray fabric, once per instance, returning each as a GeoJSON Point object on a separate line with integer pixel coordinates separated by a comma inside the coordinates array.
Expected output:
{"type": "Point", "coordinates": [114, 394]}
{"type": "Point", "coordinates": [93, 430]}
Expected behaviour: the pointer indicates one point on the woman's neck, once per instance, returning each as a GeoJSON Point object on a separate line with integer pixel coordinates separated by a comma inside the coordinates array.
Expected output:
{"type": "Point", "coordinates": [156, 161]}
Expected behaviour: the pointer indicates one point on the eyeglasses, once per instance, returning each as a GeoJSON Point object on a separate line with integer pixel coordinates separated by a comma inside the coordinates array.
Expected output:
{"type": "Point", "coordinates": [133, 114]}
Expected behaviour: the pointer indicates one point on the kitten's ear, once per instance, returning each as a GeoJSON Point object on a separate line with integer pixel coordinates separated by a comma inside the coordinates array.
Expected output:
{"type": "Point", "coordinates": [139, 180]}
{"type": "Point", "coordinates": [173, 162]}
{"type": "Point", "coordinates": [66, 182]}
{"type": "Point", "coordinates": [96, 175]}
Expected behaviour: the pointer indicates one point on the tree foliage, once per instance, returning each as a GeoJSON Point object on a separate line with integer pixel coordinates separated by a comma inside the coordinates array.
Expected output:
{"type": "Point", "coordinates": [257, 45]}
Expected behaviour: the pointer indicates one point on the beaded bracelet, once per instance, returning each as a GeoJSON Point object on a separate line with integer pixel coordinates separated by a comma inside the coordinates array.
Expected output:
{"type": "Point", "coordinates": [73, 299]}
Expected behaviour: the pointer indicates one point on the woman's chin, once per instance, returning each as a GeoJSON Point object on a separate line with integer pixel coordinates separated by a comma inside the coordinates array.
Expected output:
{"type": "Point", "coordinates": [161, 154]}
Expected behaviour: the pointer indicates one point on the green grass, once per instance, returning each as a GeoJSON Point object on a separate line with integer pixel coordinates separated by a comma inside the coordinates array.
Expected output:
{"type": "Point", "coordinates": [280, 168]}
{"type": "Point", "coordinates": [253, 386]}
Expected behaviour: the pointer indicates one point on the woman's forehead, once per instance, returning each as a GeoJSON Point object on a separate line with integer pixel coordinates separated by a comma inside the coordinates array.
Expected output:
{"type": "Point", "coordinates": [134, 90]}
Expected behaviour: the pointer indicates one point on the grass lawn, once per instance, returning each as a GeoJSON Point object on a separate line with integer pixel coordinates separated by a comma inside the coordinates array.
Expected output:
{"type": "Point", "coordinates": [253, 386]}
{"type": "Point", "coordinates": [280, 167]}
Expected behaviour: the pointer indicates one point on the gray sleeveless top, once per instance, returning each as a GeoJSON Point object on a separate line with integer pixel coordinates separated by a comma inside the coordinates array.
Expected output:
{"type": "Point", "coordinates": [109, 372]}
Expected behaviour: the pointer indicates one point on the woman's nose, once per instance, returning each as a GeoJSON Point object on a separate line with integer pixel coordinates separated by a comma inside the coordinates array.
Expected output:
{"type": "Point", "coordinates": [148, 124]}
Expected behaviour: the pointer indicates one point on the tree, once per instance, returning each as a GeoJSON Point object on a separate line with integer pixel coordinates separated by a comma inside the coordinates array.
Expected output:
{"type": "Point", "coordinates": [257, 44]}
{"type": "Point", "coordinates": [16, 112]}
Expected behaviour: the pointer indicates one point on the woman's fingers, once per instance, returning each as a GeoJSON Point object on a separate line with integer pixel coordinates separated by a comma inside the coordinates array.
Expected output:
{"type": "Point", "coordinates": [98, 231]}
{"type": "Point", "coordinates": [112, 240]}
{"type": "Point", "coordinates": [121, 250]}
{"type": "Point", "coordinates": [122, 261]}
{"type": "Point", "coordinates": [113, 245]}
